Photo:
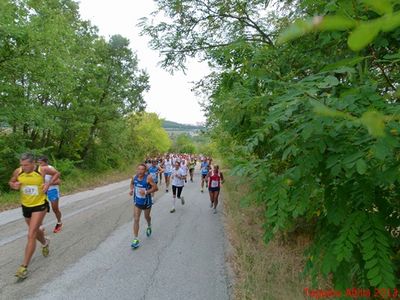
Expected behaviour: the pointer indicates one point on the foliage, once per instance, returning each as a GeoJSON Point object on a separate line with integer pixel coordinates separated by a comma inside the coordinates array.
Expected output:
{"type": "Point", "coordinates": [145, 129]}
{"type": "Point", "coordinates": [65, 91]}
{"type": "Point", "coordinates": [312, 125]}
{"type": "Point", "coordinates": [183, 143]}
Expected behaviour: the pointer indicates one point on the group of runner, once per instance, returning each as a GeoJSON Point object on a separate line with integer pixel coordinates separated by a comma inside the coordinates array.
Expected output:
{"type": "Point", "coordinates": [38, 183]}
{"type": "Point", "coordinates": [176, 167]}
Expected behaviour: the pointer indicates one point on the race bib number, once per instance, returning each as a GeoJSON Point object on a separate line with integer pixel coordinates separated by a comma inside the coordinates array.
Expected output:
{"type": "Point", "coordinates": [138, 192]}
{"type": "Point", "coordinates": [30, 190]}
{"type": "Point", "coordinates": [214, 183]}
{"type": "Point", "coordinates": [154, 176]}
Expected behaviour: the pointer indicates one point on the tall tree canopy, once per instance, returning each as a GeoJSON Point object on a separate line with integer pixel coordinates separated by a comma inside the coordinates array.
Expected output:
{"type": "Point", "coordinates": [64, 90]}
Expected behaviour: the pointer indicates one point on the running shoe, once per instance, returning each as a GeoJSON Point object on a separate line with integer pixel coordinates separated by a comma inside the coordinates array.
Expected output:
{"type": "Point", "coordinates": [166, 190]}
{"type": "Point", "coordinates": [148, 231]}
{"type": "Point", "coordinates": [58, 227]}
{"type": "Point", "coordinates": [22, 272]}
{"type": "Point", "coordinates": [182, 200]}
{"type": "Point", "coordinates": [135, 243]}
{"type": "Point", "coordinates": [172, 210]}
{"type": "Point", "coordinates": [215, 211]}
{"type": "Point", "coordinates": [202, 191]}
{"type": "Point", "coordinates": [45, 249]}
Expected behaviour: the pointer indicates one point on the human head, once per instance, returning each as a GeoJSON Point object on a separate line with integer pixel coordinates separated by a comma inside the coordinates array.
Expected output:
{"type": "Point", "coordinates": [216, 168]}
{"type": "Point", "coordinates": [141, 169]}
{"type": "Point", "coordinates": [27, 162]}
{"type": "Point", "coordinates": [154, 162]}
{"type": "Point", "coordinates": [177, 165]}
{"type": "Point", "coordinates": [43, 160]}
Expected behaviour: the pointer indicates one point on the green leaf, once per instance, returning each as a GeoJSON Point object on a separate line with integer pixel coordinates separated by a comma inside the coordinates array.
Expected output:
{"type": "Point", "coordinates": [371, 263]}
{"type": "Point", "coordinates": [375, 281]}
{"type": "Point", "coordinates": [361, 166]}
{"type": "Point", "coordinates": [390, 22]}
{"type": "Point", "coordinates": [335, 23]}
{"type": "Point", "coordinates": [349, 62]}
{"type": "Point", "coordinates": [373, 272]}
{"type": "Point", "coordinates": [374, 122]}
{"type": "Point", "coordinates": [329, 81]}
{"type": "Point", "coordinates": [381, 7]}
{"type": "Point", "coordinates": [296, 30]}
{"type": "Point", "coordinates": [362, 36]}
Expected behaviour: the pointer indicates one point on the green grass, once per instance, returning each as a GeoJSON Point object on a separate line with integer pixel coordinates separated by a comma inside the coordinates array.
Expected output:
{"type": "Point", "coordinates": [77, 180]}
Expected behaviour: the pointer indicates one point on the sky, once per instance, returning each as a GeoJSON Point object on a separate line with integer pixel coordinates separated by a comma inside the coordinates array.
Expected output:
{"type": "Point", "coordinates": [170, 96]}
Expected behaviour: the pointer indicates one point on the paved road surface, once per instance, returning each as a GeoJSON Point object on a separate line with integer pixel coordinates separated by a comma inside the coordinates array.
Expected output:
{"type": "Point", "coordinates": [92, 259]}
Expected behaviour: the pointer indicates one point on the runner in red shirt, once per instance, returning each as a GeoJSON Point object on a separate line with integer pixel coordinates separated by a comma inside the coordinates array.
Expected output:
{"type": "Point", "coordinates": [215, 178]}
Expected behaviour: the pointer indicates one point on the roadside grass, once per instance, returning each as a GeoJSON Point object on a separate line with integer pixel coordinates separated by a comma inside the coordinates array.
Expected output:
{"type": "Point", "coordinates": [78, 180]}
{"type": "Point", "coordinates": [261, 271]}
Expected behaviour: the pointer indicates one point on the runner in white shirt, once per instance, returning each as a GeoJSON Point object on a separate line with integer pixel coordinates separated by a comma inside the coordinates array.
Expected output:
{"type": "Point", "coordinates": [185, 169]}
{"type": "Point", "coordinates": [167, 166]}
{"type": "Point", "coordinates": [53, 193]}
{"type": "Point", "coordinates": [178, 178]}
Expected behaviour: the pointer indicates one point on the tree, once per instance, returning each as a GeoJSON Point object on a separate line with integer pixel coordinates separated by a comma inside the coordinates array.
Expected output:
{"type": "Point", "coordinates": [65, 91]}
{"type": "Point", "coordinates": [147, 133]}
{"type": "Point", "coordinates": [312, 123]}
{"type": "Point", "coordinates": [183, 144]}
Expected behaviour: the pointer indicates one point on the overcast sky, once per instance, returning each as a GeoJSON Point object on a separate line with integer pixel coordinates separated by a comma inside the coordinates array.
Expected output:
{"type": "Point", "coordinates": [170, 95]}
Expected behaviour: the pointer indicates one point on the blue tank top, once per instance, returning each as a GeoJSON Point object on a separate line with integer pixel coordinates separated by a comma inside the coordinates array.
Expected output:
{"type": "Point", "coordinates": [204, 168]}
{"type": "Point", "coordinates": [153, 172]}
{"type": "Point", "coordinates": [139, 185]}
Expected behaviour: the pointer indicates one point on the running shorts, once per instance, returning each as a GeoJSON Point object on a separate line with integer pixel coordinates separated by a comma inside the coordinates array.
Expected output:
{"type": "Point", "coordinates": [53, 194]}
{"type": "Point", "coordinates": [27, 211]}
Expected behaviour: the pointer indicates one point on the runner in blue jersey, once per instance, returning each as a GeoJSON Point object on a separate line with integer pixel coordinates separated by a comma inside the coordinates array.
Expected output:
{"type": "Point", "coordinates": [141, 188]}
{"type": "Point", "coordinates": [205, 168]}
{"type": "Point", "coordinates": [154, 170]}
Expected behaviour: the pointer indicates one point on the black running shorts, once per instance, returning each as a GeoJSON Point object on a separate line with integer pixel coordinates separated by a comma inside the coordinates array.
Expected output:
{"type": "Point", "coordinates": [27, 211]}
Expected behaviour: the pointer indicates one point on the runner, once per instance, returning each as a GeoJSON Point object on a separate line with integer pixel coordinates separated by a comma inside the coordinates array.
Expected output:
{"type": "Point", "coordinates": [167, 166]}
{"type": "Point", "coordinates": [205, 168]}
{"type": "Point", "coordinates": [159, 163]}
{"type": "Point", "coordinates": [177, 185]}
{"type": "Point", "coordinates": [154, 170]}
{"type": "Point", "coordinates": [53, 194]}
{"type": "Point", "coordinates": [29, 179]}
{"type": "Point", "coordinates": [147, 162]}
{"type": "Point", "coordinates": [184, 168]}
{"type": "Point", "coordinates": [215, 178]}
{"type": "Point", "coordinates": [141, 188]}
{"type": "Point", "coordinates": [192, 165]}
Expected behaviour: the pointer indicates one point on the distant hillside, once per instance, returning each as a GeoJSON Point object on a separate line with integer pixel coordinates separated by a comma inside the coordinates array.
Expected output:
{"type": "Point", "coordinates": [173, 126]}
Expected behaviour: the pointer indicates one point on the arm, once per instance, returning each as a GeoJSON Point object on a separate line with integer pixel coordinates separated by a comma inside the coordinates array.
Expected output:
{"type": "Point", "coordinates": [13, 183]}
{"type": "Point", "coordinates": [154, 187]}
{"type": "Point", "coordinates": [55, 177]}
{"type": "Point", "coordinates": [131, 187]}
{"type": "Point", "coordinates": [222, 178]}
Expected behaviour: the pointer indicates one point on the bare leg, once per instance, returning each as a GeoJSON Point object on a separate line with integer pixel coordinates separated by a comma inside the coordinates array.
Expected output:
{"type": "Point", "coordinates": [211, 198]}
{"type": "Point", "coordinates": [136, 219]}
{"type": "Point", "coordinates": [147, 216]}
{"type": "Point", "coordinates": [56, 210]}
{"type": "Point", "coordinates": [34, 233]}
{"type": "Point", "coordinates": [215, 198]}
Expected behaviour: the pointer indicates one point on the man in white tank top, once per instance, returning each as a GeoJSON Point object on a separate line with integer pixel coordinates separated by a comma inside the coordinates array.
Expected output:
{"type": "Point", "coordinates": [53, 194]}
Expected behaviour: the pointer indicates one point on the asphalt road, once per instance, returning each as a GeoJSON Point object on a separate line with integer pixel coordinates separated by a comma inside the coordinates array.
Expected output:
{"type": "Point", "coordinates": [92, 259]}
